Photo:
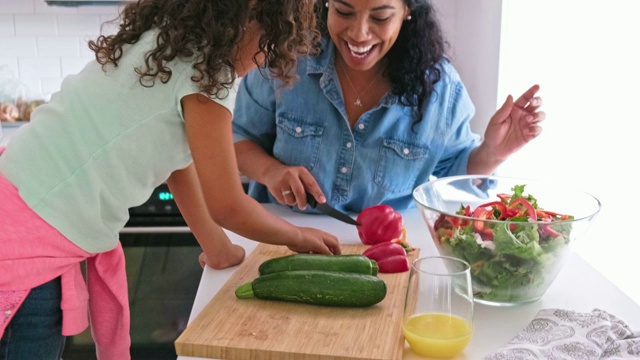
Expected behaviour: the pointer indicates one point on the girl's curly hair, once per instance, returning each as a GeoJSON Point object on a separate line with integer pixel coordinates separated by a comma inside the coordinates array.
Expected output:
{"type": "Point", "coordinates": [207, 32]}
{"type": "Point", "coordinates": [412, 61]}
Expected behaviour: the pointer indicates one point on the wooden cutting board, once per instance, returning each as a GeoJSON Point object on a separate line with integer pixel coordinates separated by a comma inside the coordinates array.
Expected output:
{"type": "Point", "coordinates": [230, 328]}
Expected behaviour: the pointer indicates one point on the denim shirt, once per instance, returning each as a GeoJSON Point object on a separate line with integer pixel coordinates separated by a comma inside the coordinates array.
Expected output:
{"type": "Point", "coordinates": [378, 161]}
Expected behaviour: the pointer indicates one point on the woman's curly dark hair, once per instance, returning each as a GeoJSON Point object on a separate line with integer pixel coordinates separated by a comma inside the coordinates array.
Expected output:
{"type": "Point", "coordinates": [419, 48]}
{"type": "Point", "coordinates": [207, 32]}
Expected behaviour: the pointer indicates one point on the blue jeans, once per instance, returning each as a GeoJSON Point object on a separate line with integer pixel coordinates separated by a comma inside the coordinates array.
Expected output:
{"type": "Point", "coordinates": [35, 331]}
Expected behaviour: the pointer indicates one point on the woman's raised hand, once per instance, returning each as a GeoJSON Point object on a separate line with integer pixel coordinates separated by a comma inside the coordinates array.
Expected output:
{"type": "Point", "coordinates": [514, 124]}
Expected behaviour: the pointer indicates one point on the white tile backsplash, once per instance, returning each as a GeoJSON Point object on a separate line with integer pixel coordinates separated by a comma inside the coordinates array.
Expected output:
{"type": "Point", "coordinates": [73, 65]}
{"type": "Point", "coordinates": [40, 67]}
{"type": "Point", "coordinates": [50, 86]}
{"type": "Point", "coordinates": [74, 24]}
{"type": "Point", "coordinates": [19, 46]}
{"type": "Point", "coordinates": [31, 89]}
{"type": "Point", "coordinates": [6, 25]}
{"type": "Point", "coordinates": [35, 25]}
{"type": "Point", "coordinates": [85, 52]}
{"type": "Point", "coordinates": [42, 44]}
{"type": "Point", "coordinates": [62, 46]}
{"type": "Point", "coordinates": [17, 6]}
{"type": "Point", "coordinates": [8, 67]}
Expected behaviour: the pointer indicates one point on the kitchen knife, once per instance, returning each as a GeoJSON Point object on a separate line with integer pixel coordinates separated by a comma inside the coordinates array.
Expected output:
{"type": "Point", "coordinates": [328, 210]}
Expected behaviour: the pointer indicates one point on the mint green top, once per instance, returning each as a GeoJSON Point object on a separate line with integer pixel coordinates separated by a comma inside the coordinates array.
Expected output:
{"type": "Point", "coordinates": [102, 145]}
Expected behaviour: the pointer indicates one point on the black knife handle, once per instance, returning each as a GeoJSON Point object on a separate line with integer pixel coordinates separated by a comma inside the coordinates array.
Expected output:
{"type": "Point", "coordinates": [312, 201]}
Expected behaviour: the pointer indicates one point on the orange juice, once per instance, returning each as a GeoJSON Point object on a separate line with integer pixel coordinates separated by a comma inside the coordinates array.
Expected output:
{"type": "Point", "coordinates": [437, 335]}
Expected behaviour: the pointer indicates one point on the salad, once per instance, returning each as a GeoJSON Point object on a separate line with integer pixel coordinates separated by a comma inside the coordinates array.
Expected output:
{"type": "Point", "coordinates": [516, 249]}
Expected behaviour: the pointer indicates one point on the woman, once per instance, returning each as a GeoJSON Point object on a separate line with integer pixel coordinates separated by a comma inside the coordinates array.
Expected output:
{"type": "Point", "coordinates": [155, 106]}
{"type": "Point", "coordinates": [377, 112]}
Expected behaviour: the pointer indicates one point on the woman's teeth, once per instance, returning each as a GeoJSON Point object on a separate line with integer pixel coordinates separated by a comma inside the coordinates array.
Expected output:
{"type": "Point", "coordinates": [359, 51]}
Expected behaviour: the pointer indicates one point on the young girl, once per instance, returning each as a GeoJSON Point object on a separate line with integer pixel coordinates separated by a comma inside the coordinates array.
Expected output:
{"type": "Point", "coordinates": [155, 107]}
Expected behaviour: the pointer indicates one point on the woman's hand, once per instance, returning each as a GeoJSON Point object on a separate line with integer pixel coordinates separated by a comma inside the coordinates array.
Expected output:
{"type": "Point", "coordinates": [290, 184]}
{"type": "Point", "coordinates": [514, 124]}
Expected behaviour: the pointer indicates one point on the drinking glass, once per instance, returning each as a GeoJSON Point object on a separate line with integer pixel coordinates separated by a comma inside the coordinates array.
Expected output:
{"type": "Point", "coordinates": [438, 316]}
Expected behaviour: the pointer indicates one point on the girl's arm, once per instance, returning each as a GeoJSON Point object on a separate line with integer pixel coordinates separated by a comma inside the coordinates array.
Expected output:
{"type": "Point", "coordinates": [208, 128]}
{"type": "Point", "coordinates": [220, 252]}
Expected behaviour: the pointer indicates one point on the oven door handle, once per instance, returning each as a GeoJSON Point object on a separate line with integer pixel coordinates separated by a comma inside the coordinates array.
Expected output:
{"type": "Point", "coordinates": [155, 229]}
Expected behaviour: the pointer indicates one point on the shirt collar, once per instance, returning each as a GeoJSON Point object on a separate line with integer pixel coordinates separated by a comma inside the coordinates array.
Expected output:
{"type": "Point", "coordinates": [323, 64]}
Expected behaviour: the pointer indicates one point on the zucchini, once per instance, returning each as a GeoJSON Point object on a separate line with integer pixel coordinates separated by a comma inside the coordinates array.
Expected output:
{"type": "Point", "coordinates": [327, 288]}
{"type": "Point", "coordinates": [358, 264]}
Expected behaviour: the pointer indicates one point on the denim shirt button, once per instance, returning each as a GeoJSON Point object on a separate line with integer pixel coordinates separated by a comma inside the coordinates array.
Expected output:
{"type": "Point", "coordinates": [349, 145]}
{"type": "Point", "coordinates": [405, 151]}
{"type": "Point", "coordinates": [361, 126]}
{"type": "Point", "coordinates": [343, 170]}
{"type": "Point", "coordinates": [298, 130]}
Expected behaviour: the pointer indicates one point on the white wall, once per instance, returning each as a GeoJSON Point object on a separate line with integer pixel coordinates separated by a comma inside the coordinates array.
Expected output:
{"type": "Point", "coordinates": [584, 54]}
{"type": "Point", "coordinates": [40, 44]}
{"type": "Point", "coordinates": [472, 28]}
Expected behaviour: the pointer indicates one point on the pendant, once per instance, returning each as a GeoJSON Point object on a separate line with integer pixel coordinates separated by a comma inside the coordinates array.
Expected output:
{"type": "Point", "coordinates": [358, 102]}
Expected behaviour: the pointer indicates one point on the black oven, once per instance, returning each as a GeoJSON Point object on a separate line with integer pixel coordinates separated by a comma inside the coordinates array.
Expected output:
{"type": "Point", "coordinates": [163, 275]}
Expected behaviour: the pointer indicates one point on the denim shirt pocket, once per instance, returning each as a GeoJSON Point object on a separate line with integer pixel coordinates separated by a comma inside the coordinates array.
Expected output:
{"type": "Point", "coordinates": [399, 164]}
{"type": "Point", "coordinates": [298, 141]}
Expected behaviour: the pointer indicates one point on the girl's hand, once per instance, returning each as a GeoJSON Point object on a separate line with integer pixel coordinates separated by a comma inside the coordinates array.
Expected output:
{"type": "Point", "coordinates": [314, 241]}
{"type": "Point", "coordinates": [290, 184]}
{"type": "Point", "coordinates": [233, 257]}
{"type": "Point", "coordinates": [514, 124]}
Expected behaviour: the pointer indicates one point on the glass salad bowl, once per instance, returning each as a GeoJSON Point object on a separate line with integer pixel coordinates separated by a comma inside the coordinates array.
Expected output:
{"type": "Point", "coordinates": [515, 233]}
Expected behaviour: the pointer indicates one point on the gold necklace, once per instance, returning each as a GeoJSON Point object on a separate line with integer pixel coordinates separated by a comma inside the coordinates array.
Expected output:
{"type": "Point", "coordinates": [358, 102]}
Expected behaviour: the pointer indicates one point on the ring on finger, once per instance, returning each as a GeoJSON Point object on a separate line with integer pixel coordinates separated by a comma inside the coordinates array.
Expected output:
{"type": "Point", "coordinates": [286, 192]}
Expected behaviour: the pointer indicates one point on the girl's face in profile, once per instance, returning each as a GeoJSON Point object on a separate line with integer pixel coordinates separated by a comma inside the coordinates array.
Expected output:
{"type": "Point", "coordinates": [364, 30]}
{"type": "Point", "coordinates": [247, 49]}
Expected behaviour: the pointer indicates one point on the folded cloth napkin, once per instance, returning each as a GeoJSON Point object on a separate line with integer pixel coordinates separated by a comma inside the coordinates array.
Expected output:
{"type": "Point", "coordinates": [557, 334]}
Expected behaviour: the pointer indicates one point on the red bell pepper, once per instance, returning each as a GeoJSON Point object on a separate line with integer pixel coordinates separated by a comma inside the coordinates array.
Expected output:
{"type": "Point", "coordinates": [524, 208]}
{"type": "Point", "coordinates": [390, 256]}
{"type": "Point", "coordinates": [492, 208]}
{"type": "Point", "coordinates": [495, 210]}
{"type": "Point", "coordinates": [544, 215]}
{"type": "Point", "coordinates": [379, 224]}
{"type": "Point", "coordinates": [550, 216]}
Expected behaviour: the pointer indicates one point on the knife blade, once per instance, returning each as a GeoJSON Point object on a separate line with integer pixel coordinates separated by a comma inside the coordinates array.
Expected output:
{"type": "Point", "coordinates": [329, 210]}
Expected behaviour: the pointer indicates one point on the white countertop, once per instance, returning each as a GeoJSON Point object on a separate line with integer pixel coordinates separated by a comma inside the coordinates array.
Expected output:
{"type": "Point", "coordinates": [578, 287]}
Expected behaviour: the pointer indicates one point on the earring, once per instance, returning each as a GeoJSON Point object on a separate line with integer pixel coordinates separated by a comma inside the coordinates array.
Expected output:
{"type": "Point", "coordinates": [408, 18]}
{"type": "Point", "coordinates": [326, 4]}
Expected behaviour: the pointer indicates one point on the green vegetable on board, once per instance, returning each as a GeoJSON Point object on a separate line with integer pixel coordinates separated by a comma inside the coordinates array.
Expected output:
{"type": "Point", "coordinates": [326, 288]}
{"type": "Point", "coordinates": [349, 263]}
